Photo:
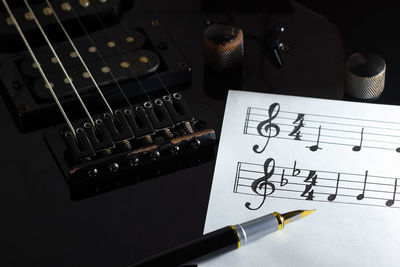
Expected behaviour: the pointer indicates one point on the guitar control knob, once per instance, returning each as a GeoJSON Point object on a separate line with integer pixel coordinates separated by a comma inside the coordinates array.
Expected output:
{"type": "Point", "coordinates": [223, 47]}
{"type": "Point", "coordinates": [365, 76]}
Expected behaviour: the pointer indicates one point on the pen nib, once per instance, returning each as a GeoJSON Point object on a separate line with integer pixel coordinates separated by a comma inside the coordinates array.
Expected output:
{"type": "Point", "coordinates": [295, 215]}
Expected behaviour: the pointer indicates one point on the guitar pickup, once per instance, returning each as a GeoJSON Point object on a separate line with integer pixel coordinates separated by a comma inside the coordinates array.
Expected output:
{"type": "Point", "coordinates": [110, 11]}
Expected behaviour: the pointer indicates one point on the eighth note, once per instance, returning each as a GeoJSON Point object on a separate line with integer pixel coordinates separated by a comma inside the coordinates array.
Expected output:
{"type": "Point", "coordinates": [332, 197]}
{"type": "Point", "coordinates": [358, 148]}
{"type": "Point", "coordinates": [390, 202]}
{"type": "Point", "coordinates": [316, 147]}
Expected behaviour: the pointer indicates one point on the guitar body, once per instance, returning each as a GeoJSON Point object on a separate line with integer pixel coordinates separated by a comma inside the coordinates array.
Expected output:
{"type": "Point", "coordinates": [52, 217]}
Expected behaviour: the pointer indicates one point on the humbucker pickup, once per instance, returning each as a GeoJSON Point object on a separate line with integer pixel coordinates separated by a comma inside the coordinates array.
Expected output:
{"type": "Point", "coordinates": [109, 11]}
{"type": "Point", "coordinates": [149, 55]}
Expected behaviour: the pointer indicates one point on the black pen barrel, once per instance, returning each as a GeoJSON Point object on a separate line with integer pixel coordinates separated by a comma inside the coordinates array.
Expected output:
{"type": "Point", "coordinates": [217, 242]}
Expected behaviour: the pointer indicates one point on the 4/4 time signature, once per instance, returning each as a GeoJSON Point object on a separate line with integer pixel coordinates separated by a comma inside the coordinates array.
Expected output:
{"type": "Point", "coordinates": [269, 180]}
{"type": "Point", "coordinates": [320, 130]}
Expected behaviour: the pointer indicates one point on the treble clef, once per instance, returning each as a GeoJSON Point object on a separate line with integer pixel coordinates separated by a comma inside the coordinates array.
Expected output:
{"type": "Point", "coordinates": [261, 185]}
{"type": "Point", "coordinates": [264, 127]}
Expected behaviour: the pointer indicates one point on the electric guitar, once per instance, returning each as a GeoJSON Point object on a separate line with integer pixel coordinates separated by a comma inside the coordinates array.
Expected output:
{"type": "Point", "coordinates": [108, 136]}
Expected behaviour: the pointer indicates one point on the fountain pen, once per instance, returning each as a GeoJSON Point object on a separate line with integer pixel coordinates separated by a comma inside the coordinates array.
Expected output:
{"type": "Point", "coordinates": [222, 240]}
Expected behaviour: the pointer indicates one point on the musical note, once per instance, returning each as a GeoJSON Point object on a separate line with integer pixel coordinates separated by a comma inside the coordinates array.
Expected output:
{"type": "Point", "coordinates": [332, 197]}
{"type": "Point", "coordinates": [332, 129]}
{"type": "Point", "coordinates": [358, 148]}
{"type": "Point", "coordinates": [267, 126]}
{"type": "Point", "coordinates": [390, 202]}
{"type": "Point", "coordinates": [262, 184]}
{"type": "Point", "coordinates": [248, 181]}
{"type": "Point", "coordinates": [361, 196]}
{"type": "Point", "coordinates": [316, 147]}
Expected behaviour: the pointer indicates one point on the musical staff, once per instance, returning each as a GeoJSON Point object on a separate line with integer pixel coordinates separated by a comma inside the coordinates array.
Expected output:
{"type": "Point", "coordinates": [318, 131]}
{"type": "Point", "coordinates": [271, 180]}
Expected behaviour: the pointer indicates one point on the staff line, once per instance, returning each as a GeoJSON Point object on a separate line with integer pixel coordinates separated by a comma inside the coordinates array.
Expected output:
{"type": "Point", "coordinates": [322, 186]}
{"type": "Point", "coordinates": [323, 201]}
{"type": "Point", "coordinates": [329, 129]}
{"type": "Point", "coordinates": [316, 193]}
{"type": "Point", "coordinates": [331, 136]}
{"type": "Point", "coordinates": [328, 122]}
{"type": "Point", "coordinates": [319, 178]}
{"type": "Point", "coordinates": [330, 116]}
{"type": "Point", "coordinates": [330, 143]}
{"type": "Point", "coordinates": [320, 171]}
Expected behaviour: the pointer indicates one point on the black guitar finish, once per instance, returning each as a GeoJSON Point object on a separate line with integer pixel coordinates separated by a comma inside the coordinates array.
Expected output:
{"type": "Point", "coordinates": [47, 221]}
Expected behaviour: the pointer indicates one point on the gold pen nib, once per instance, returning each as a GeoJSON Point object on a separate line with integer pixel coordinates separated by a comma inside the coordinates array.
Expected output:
{"type": "Point", "coordinates": [295, 215]}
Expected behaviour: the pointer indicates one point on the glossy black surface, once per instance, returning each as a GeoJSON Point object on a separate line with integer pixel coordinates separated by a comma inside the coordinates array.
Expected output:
{"type": "Point", "coordinates": [41, 226]}
{"type": "Point", "coordinates": [209, 245]}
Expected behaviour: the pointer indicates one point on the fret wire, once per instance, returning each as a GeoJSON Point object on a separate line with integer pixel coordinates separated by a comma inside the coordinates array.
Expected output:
{"type": "Point", "coordinates": [79, 56]}
{"type": "Point", "coordinates": [59, 62]}
{"type": "Point", "coordinates": [39, 67]}
{"type": "Point", "coordinates": [119, 51]}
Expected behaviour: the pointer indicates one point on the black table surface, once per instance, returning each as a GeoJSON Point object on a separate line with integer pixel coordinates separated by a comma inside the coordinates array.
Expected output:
{"type": "Point", "coordinates": [41, 226]}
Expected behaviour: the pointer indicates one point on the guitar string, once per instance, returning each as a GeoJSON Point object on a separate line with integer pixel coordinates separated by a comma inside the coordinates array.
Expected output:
{"type": "Point", "coordinates": [155, 72]}
{"type": "Point", "coordinates": [20, 32]}
{"type": "Point", "coordinates": [59, 61]}
{"type": "Point", "coordinates": [141, 51]}
{"type": "Point", "coordinates": [79, 56]}
{"type": "Point", "coordinates": [120, 52]}
{"type": "Point", "coordinates": [117, 47]}
{"type": "Point", "coordinates": [114, 78]}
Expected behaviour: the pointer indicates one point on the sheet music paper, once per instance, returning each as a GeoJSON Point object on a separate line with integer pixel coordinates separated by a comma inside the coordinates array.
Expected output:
{"type": "Point", "coordinates": [283, 153]}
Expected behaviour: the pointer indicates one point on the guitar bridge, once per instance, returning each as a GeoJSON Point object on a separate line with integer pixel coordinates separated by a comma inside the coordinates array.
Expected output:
{"type": "Point", "coordinates": [138, 140]}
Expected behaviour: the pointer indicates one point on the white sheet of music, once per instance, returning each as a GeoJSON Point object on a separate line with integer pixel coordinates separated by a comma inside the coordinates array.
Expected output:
{"type": "Point", "coordinates": [282, 153]}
